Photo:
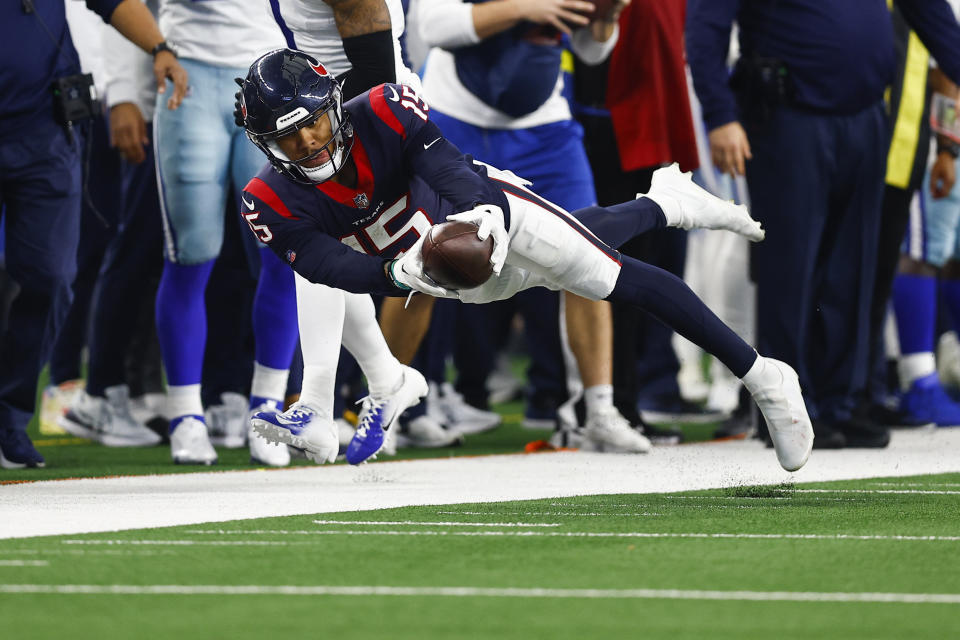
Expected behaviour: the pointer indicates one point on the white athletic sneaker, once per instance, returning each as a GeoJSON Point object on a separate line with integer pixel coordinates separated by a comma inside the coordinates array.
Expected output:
{"type": "Point", "coordinates": [948, 359]}
{"type": "Point", "coordinates": [190, 444]}
{"type": "Point", "coordinates": [776, 390]}
{"type": "Point", "coordinates": [303, 427]}
{"type": "Point", "coordinates": [107, 420]}
{"type": "Point", "coordinates": [687, 206]}
{"type": "Point", "coordinates": [609, 432]}
{"type": "Point", "coordinates": [272, 454]}
{"type": "Point", "coordinates": [228, 423]}
{"type": "Point", "coordinates": [425, 433]}
{"type": "Point", "coordinates": [345, 430]}
{"type": "Point", "coordinates": [54, 402]}
{"type": "Point", "coordinates": [448, 407]}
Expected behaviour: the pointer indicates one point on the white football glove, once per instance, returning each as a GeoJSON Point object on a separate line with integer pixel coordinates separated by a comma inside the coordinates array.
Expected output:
{"type": "Point", "coordinates": [489, 217]}
{"type": "Point", "coordinates": [407, 273]}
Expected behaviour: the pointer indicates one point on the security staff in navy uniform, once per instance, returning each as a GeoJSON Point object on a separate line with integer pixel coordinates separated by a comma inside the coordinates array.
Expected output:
{"type": "Point", "coordinates": [803, 117]}
{"type": "Point", "coordinates": [43, 107]}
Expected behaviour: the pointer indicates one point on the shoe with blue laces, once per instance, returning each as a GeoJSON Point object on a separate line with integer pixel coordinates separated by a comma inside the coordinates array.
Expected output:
{"type": "Point", "coordinates": [927, 400]}
{"type": "Point", "coordinates": [300, 426]}
{"type": "Point", "coordinates": [17, 452]}
{"type": "Point", "coordinates": [379, 414]}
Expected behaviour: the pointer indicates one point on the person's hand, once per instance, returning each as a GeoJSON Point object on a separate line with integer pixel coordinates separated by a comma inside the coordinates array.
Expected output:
{"type": "Point", "coordinates": [943, 175]}
{"type": "Point", "coordinates": [166, 66]}
{"type": "Point", "coordinates": [489, 219]}
{"type": "Point", "coordinates": [560, 14]}
{"type": "Point", "coordinates": [730, 148]}
{"type": "Point", "coordinates": [128, 132]}
{"type": "Point", "coordinates": [407, 273]}
{"type": "Point", "coordinates": [601, 28]}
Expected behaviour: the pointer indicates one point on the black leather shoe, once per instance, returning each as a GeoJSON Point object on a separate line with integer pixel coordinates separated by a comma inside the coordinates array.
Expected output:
{"type": "Point", "coordinates": [884, 416]}
{"type": "Point", "coordinates": [827, 436]}
{"type": "Point", "coordinates": [862, 433]}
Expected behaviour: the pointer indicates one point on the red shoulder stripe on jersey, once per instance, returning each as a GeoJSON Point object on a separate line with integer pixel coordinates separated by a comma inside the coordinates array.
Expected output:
{"type": "Point", "coordinates": [380, 107]}
{"type": "Point", "coordinates": [262, 190]}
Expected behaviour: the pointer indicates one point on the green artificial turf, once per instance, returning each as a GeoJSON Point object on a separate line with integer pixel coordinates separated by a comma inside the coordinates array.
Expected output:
{"type": "Point", "coordinates": [295, 552]}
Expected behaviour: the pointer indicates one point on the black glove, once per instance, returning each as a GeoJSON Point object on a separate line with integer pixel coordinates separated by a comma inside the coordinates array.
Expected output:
{"type": "Point", "coordinates": [237, 106]}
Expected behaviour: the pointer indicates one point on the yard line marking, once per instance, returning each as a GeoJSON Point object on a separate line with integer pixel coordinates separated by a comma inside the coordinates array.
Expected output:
{"type": "Point", "coordinates": [23, 563]}
{"type": "Point", "coordinates": [501, 534]}
{"type": "Point", "coordinates": [440, 524]}
{"type": "Point", "coordinates": [473, 592]}
{"type": "Point", "coordinates": [915, 484]}
{"type": "Point", "coordinates": [538, 513]}
{"type": "Point", "coordinates": [904, 491]}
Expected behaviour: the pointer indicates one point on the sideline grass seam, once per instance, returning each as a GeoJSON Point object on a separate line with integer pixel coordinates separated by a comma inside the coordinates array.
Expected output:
{"type": "Point", "coordinates": [473, 592]}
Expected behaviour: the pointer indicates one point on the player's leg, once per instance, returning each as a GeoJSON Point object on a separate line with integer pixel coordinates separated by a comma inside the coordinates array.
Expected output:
{"type": "Point", "coordinates": [393, 386]}
{"type": "Point", "coordinates": [274, 314]}
{"type": "Point", "coordinates": [405, 324]}
{"type": "Point", "coordinates": [192, 152]}
{"type": "Point", "coordinates": [931, 239]}
{"type": "Point", "coordinates": [576, 260]}
{"type": "Point", "coordinates": [309, 424]}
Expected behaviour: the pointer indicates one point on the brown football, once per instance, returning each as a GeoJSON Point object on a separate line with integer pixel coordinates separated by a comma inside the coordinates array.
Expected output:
{"type": "Point", "coordinates": [454, 257]}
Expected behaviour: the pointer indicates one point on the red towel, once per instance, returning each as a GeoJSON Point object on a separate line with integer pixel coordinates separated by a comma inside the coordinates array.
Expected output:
{"type": "Point", "coordinates": [647, 87]}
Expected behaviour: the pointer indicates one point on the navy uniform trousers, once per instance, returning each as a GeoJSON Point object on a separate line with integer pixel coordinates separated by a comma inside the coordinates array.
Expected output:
{"type": "Point", "coordinates": [40, 192]}
{"type": "Point", "coordinates": [816, 184]}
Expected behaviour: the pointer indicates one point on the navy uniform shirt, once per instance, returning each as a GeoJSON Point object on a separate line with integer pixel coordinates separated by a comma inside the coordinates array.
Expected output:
{"type": "Point", "coordinates": [36, 49]}
{"type": "Point", "coordinates": [840, 53]}
{"type": "Point", "coordinates": [409, 177]}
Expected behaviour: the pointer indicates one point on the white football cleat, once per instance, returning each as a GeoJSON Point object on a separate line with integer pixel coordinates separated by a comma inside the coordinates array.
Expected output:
{"type": "Point", "coordinates": [272, 454]}
{"type": "Point", "coordinates": [688, 206]}
{"type": "Point", "coordinates": [424, 432]}
{"type": "Point", "coordinates": [447, 406]}
{"type": "Point", "coordinates": [54, 403]}
{"type": "Point", "coordinates": [229, 421]}
{"type": "Point", "coordinates": [303, 427]}
{"type": "Point", "coordinates": [776, 390]}
{"type": "Point", "coordinates": [107, 420]}
{"type": "Point", "coordinates": [190, 444]}
{"type": "Point", "coordinates": [608, 431]}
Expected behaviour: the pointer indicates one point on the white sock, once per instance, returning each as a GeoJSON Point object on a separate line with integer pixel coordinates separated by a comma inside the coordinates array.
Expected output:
{"type": "Point", "coordinates": [597, 398]}
{"type": "Point", "coordinates": [914, 366]}
{"type": "Point", "coordinates": [183, 400]}
{"type": "Point", "coordinates": [269, 383]}
{"type": "Point", "coordinates": [760, 375]}
{"type": "Point", "coordinates": [672, 210]}
{"type": "Point", "coordinates": [320, 311]}
{"type": "Point", "coordinates": [364, 340]}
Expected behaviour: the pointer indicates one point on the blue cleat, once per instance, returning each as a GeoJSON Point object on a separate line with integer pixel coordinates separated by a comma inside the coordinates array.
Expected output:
{"type": "Point", "coordinates": [378, 415]}
{"type": "Point", "coordinates": [17, 452]}
{"type": "Point", "coordinates": [928, 401]}
{"type": "Point", "coordinates": [300, 426]}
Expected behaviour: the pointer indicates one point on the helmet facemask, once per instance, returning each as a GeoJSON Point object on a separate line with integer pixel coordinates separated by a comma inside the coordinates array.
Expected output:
{"type": "Point", "coordinates": [338, 147]}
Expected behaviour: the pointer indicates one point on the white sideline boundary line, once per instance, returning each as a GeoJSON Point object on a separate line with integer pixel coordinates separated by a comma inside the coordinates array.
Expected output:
{"type": "Point", "coordinates": [24, 563]}
{"type": "Point", "coordinates": [495, 534]}
{"type": "Point", "coordinates": [114, 504]}
{"type": "Point", "coordinates": [475, 592]}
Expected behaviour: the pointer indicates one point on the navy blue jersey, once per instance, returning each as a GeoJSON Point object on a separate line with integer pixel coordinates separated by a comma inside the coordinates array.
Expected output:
{"type": "Point", "coordinates": [409, 177]}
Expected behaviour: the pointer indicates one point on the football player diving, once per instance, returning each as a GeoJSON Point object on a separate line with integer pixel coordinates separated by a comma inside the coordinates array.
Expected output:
{"type": "Point", "coordinates": [352, 190]}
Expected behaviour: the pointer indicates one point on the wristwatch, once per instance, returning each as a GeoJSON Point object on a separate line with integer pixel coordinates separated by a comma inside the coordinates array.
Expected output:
{"type": "Point", "coordinates": [162, 46]}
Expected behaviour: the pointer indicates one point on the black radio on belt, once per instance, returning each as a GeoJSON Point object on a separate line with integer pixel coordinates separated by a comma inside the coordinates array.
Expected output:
{"type": "Point", "coordinates": [74, 99]}
{"type": "Point", "coordinates": [762, 84]}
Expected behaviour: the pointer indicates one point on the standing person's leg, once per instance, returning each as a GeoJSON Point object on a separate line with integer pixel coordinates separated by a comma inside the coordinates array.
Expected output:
{"type": "Point", "coordinates": [931, 242]}
{"type": "Point", "coordinates": [845, 275]}
{"type": "Point", "coordinates": [193, 150]}
{"type": "Point", "coordinates": [789, 192]}
{"type": "Point", "coordinates": [40, 186]}
{"type": "Point", "coordinates": [102, 411]}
